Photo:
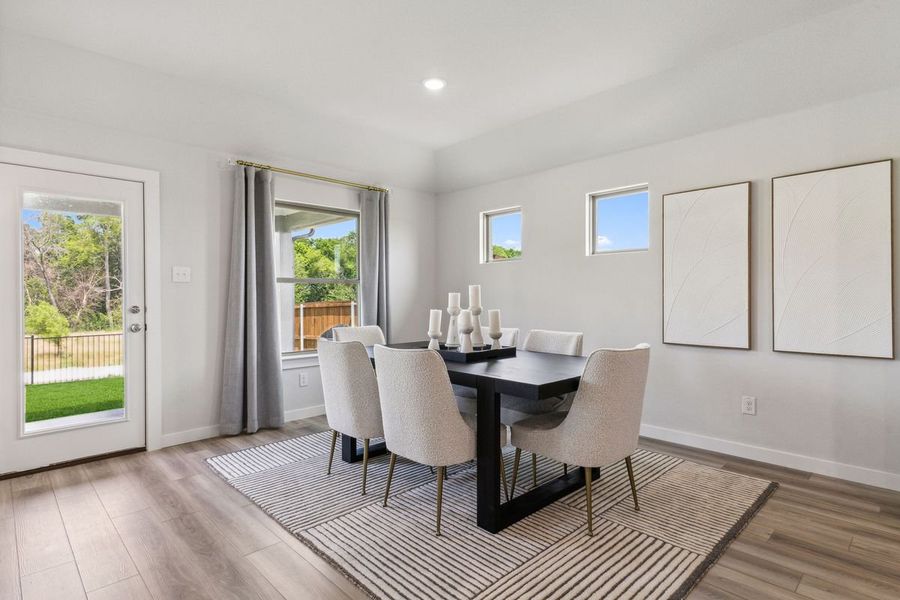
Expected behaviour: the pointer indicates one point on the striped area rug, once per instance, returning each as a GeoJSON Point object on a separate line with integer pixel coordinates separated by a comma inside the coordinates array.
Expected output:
{"type": "Point", "coordinates": [689, 513]}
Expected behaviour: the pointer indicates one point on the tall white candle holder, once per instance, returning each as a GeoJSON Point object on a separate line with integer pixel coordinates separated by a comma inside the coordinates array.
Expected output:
{"type": "Point", "coordinates": [434, 328]}
{"type": "Point", "coordinates": [495, 336]}
{"type": "Point", "coordinates": [453, 328]}
{"type": "Point", "coordinates": [477, 337]}
{"type": "Point", "coordinates": [465, 337]}
{"type": "Point", "coordinates": [435, 343]}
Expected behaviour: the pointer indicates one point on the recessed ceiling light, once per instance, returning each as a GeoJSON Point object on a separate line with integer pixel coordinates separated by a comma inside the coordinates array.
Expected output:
{"type": "Point", "coordinates": [434, 84]}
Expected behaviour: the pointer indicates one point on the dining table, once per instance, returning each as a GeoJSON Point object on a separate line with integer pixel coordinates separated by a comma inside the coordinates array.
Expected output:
{"type": "Point", "coordinates": [532, 375]}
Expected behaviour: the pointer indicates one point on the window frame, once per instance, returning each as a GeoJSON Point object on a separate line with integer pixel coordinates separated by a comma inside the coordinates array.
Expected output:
{"type": "Point", "coordinates": [293, 281]}
{"type": "Point", "coordinates": [592, 199]}
{"type": "Point", "coordinates": [486, 246]}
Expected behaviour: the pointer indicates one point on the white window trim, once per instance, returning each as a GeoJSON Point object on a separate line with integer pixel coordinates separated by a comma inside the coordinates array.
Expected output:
{"type": "Point", "coordinates": [299, 359]}
{"type": "Point", "coordinates": [591, 217]}
{"type": "Point", "coordinates": [484, 234]}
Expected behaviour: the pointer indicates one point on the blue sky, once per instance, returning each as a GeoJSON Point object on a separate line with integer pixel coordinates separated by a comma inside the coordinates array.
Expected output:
{"type": "Point", "coordinates": [335, 230]}
{"type": "Point", "coordinates": [506, 230]}
{"type": "Point", "coordinates": [622, 222]}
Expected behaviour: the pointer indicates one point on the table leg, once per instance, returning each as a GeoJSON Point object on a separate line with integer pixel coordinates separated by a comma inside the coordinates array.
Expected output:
{"type": "Point", "coordinates": [488, 451]}
{"type": "Point", "coordinates": [492, 514]}
{"type": "Point", "coordinates": [351, 453]}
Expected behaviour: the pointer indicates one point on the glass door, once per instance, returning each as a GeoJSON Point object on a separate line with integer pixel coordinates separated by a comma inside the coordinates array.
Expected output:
{"type": "Point", "coordinates": [73, 352]}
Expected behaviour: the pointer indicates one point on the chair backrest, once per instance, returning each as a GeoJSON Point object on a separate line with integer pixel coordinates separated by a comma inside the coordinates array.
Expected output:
{"type": "Point", "coordinates": [369, 335]}
{"type": "Point", "coordinates": [351, 391]}
{"type": "Point", "coordinates": [422, 421]}
{"type": "Point", "coordinates": [554, 342]}
{"type": "Point", "coordinates": [509, 336]}
{"type": "Point", "coordinates": [603, 424]}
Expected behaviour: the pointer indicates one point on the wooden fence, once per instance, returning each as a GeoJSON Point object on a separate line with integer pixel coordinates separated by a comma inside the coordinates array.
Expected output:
{"type": "Point", "coordinates": [312, 319]}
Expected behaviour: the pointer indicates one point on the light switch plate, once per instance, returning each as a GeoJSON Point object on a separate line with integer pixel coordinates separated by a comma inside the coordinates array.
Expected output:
{"type": "Point", "coordinates": [181, 274]}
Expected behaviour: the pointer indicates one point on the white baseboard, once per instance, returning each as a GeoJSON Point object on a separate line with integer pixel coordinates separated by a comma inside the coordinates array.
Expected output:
{"type": "Point", "coordinates": [189, 435]}
{"type": "Point", "coordinates": [865, 475]}
{"type": "Point", "coordinates": [304, 413]}
{"type": "Point", "coordinates": [211, 431]}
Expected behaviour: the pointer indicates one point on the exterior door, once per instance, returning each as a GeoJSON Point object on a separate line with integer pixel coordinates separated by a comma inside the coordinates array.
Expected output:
{"type": "Point", "coordinates": [72, 342]}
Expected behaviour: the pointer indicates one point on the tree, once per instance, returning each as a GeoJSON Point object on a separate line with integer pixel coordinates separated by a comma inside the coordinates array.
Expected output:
{"type": "Point", "coordinates": [44, 319]}
{"type": "Point", "coordinates": [73, 262]}
{"type": "Point", "coordinates": [501, 253]}
{"type": "Point", "coordinates": [325, 258]}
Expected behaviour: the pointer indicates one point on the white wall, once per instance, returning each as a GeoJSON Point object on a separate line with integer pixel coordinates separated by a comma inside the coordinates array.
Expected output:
{"type": "Point", "coordinates": [63, 101]}
{"type": "Point", "coordinates": [826, 414]}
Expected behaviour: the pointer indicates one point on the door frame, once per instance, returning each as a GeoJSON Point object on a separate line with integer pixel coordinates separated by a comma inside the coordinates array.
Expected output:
{"type": "Point", "coordinates": [152, 263]}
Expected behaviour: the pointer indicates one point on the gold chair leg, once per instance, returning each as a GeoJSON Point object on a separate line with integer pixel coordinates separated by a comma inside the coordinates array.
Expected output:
{"type": "Point", "coordinates": [587, 491]}
{"type": "Point", "coordinates": [365, 463]}
{"type": "Point", "coordinates": [631, 479]}
{"type": "Point", "coordinates": [387, 488]}
{"type": "Point", "coordinates": [503, 472]}
{"type": "Point", "coordinates": [533, 469]}
{"type": "Point", "coordinates": [515, 475]}
{"type": "Point", "coordinates": [331, 456]}
{"type": "Point", "coordinates": [440, 495]}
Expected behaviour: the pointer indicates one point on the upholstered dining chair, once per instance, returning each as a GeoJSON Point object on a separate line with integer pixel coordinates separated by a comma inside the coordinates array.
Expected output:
{"type": "Point", "coordinates": [421, 420]}
{"type": "Point", "coordinates": [369, 335]}
{"type": "Point", "coordinates": [601, 427]}
{"type": "Point", "coordinates": [509, 336]}
{"type": "Point", "coordinates": [513, 408]}
{"type": "Point", "coordinates": [352, 406]}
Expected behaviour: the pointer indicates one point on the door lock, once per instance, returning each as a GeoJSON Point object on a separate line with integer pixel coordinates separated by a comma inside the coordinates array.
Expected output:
{"type": "Point", "coordinates": [135, 327]}
{"type": "Point", "coordinates": [134, 309]}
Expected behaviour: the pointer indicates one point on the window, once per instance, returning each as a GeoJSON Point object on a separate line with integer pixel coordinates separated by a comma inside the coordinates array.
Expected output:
{"type": "Point", "coordinates": [501, 238]}
{"type": "Point", "coordinates": [618, 220]}
{"type": "Point", "coordinates": [318, 276]}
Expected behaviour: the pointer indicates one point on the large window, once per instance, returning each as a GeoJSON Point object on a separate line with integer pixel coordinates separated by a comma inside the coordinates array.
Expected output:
{"type": "Point", "coordinates": [318, 276]}
{"type": "Point", "coordinates": [501, 238]}
{"type": "Point", "coordinates": [619, 220]}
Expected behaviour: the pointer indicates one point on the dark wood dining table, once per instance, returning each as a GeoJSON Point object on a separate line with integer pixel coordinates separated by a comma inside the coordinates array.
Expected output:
{"type": "Point", "coordinates": [532, 375]}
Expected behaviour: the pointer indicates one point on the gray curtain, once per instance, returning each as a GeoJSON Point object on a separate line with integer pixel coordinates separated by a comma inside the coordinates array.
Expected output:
{"type": "Point", "coordinates": [373, 249]}
{"type": "Point", "coordinates": [252, 390]}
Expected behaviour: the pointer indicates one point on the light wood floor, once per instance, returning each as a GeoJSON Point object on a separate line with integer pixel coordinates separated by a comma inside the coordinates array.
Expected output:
{"type": "Point", "coordinates": [161, 525]}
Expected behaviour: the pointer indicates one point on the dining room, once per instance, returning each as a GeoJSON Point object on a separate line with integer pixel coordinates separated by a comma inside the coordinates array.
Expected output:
{"type": "Point", "coordinates": [449, 300]}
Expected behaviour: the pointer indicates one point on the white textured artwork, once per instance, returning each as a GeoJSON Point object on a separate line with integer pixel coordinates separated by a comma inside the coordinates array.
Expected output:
{"type": "Point", "coordinates": [706, 279]}
{"type": "Point", "coordinates": [831, 252]}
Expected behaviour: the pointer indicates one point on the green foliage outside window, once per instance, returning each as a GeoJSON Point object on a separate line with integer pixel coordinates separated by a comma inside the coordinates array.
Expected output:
{"type": "Point", "coordinates": [44, 319]}
{"type": "Point", "coordinates": [72, 264]}
{"type": "Point", "coordinates": [325, 258]}
{"type": "Point", "coordinates": [501, 253]}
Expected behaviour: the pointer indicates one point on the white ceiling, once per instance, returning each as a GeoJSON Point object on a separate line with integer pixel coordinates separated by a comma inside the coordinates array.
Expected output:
{"type": "Point", "coordinates": [363, 61]}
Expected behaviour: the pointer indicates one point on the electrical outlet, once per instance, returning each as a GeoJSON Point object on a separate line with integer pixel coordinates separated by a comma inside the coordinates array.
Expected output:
{"type": "Point", "coordinates": [748, 405]}
{"type": "Point", "coordinates": [304, 379]}
{"type": "Point", "coordinates": [181, 274]}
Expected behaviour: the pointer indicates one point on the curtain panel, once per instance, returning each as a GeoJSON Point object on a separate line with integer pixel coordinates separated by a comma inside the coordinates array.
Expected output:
{"type": "Point", "coordinates": [252, 395]}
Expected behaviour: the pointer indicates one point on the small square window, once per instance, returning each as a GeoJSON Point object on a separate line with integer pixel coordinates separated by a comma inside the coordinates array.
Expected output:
{"type": "Point", "coordinates": [619, 220]}
{"type": "Point", "coordinates": [501, 235]}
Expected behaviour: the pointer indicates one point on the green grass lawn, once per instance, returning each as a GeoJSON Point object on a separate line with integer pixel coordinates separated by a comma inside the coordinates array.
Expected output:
{"type": "Point", "coordinates": [51, 400]}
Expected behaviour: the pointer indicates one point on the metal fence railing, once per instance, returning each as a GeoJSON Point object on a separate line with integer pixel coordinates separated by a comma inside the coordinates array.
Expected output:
{"type": "Point", "coordinates": [72, 358]}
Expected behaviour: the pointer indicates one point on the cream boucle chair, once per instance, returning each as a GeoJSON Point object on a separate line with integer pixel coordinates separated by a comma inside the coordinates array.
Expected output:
{"type": "Point", "coordinates": [513, 408]}
{"type": "Point", "coordinates": [352, 406]}
{"type": "Point", "coordinates": [421, 420]}
{"type": "Point", "coordinates": [554, 342]}
{"type": "Point", "coordinates": [603, 424]}
{"type": "Point", "coordinates": [369, 335]}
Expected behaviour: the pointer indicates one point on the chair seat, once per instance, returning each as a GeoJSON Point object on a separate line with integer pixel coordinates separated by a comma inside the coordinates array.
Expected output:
{"type": "Point", "coordinates": [514, 409]}
{"type": "Point", "coordinates": [472, 421]}
{"type": "Point", "coordinates": [536, 434]}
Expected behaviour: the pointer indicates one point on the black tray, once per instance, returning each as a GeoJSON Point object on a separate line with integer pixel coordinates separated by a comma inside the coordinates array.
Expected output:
{"type": "Point", "coordinates": [479, 354]}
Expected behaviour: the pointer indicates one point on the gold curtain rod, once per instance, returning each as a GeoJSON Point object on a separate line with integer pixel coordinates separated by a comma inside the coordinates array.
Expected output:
{"type": "Point", "coordinates": [353, 184]}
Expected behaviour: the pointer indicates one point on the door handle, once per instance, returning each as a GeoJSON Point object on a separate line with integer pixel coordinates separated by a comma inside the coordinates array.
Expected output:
{"type": "Point", "coordinates": [135, 327]}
